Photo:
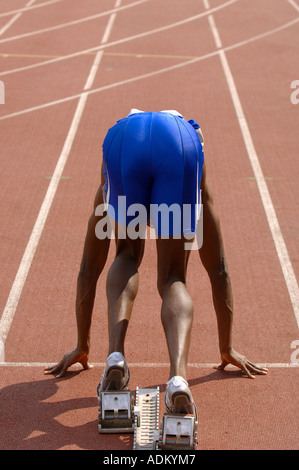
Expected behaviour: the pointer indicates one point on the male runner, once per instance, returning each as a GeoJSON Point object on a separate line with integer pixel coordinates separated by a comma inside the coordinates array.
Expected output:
{"type": "Point", "coordinates": [153, 159]}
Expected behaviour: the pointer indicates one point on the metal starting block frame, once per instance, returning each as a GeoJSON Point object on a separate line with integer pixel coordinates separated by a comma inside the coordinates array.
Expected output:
{"type": "Point", "coordinates": [178, 432]}
{"type": "Point", "coordinates": [117, 413]}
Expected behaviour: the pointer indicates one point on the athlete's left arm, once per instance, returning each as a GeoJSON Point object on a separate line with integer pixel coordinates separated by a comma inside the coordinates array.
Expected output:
{"type": "Point", "coordinates": [213, 258]}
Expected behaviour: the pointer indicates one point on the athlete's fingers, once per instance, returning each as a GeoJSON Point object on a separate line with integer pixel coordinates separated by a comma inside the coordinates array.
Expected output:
{"type": "Point", "coordinates": [258, 369]}
{"type": "Point", "coordinates": [53, 369]}
{"type": "Point", "coordinates": [254, 369]}
{"type": "Point", "coordinates": [246, 371]}
{"type": "Point", "coordinates": [62, 372]}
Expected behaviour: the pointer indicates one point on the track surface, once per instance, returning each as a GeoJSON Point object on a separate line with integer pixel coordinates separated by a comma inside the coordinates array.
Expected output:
{"type": "Point", "coordinates": [227, 64]}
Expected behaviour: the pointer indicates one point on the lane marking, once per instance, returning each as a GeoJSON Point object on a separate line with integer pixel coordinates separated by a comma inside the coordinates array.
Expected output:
{"type": "Point", "coordinates": [62, 177]}
{"type": "Point", "coordinates": [281, 249]}
{"type": "Point", "coordinates": [113, 54]}
{"type": "Point", "coordinates": [15, 18]}
{"type": "Point", "coordinates": [109, 28]}
{"type": "Point", "coordinates": [103, 88]}
{"type": "Point", "coordinates": [214, 30]}
{"type": "Point", "coordinates": [28, 256]}
{"type": "Point", "coordinates": [152, 74]}
{"type": "Point", "coordinates": [21, 10]}
{"type": "Point", "coordinates": [294, 5]}
{"type": "Point", "coordinates": [2, 352]}
{"type": "Point", "coordinates": [71, 23]}
{"type": "Point", "coordinates": [153, 365]}
{"type": "Point", "coordinates": [122, 41]}
{"type": "Point", "coordinates": [34, 239]}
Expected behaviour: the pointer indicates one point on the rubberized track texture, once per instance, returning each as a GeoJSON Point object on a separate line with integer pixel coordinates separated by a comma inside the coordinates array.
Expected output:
{"type": "Point", "coordinates": [69, 70]}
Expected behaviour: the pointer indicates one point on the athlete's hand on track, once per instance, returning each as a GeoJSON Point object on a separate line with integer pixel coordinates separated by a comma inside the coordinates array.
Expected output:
{"type": "Point", "coordinates": [68, 360]}
{"type": "Point", "coordinates": [238, 360]}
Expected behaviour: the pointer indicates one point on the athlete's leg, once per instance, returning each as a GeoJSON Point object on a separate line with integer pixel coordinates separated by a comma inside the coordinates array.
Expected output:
{"type": "Point", "coordinates": [127, 164]}
{"type": "Point", "coordinates": [177, 305]}
{"type": "Point", "coordinates": [121, 288]}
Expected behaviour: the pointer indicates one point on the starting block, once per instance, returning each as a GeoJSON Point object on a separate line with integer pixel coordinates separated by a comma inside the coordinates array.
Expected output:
{"type": "Point", "coordinates": [116, 412]}
{"type": "Point", "coordinates": [119, 412]}
{"type": "Point", "coordinates": [178, 432]}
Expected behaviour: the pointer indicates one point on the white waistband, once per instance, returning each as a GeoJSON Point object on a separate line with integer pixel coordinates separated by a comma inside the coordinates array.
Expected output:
{"type": "Point", "coordinates": [170, 111]}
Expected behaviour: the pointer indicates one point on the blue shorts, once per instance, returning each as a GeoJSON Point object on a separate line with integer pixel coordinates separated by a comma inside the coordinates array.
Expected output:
{"type": "Point", "coordinates": [153, 161]}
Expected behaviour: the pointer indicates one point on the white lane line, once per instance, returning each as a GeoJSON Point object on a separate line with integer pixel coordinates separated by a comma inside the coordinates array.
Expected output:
{"type": "Point", "coordinates": [152, 74]}
{"type": "Point", "coordinates": [206, 4]}
{"type": "Point", "coordinates": [105, 87]}
{"type": "Point", "coordinates": [215, 33]}
{"type": "Point", "coordinates": [24, 268]}
{"type": "Point", "coordinates": [93, 71]}
{"type": "Point", "coordinates": [281, 249]}
{"type": "Point", "coordinates": [121, 41]}
{"type": "Point", "coordinates": [294, 4]}
{"type": "Point", "coordinates": [153, 365]}
{"type": "Point", "coordinates": [99, 54]}
{"type": "Point", "coordinates": [14, 18]}
{"type": "Point", "coordinates": [71, 23]}
{"type": "Point", "coordinates": [2, 352]}
{"type": "Point", "coordinates": [21, 10]}
{"type": "Point", "coordinates": [109, 28]}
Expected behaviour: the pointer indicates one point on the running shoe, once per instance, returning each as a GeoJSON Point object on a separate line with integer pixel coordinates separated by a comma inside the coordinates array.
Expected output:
{"type": "Point", "coordinates": [116, 374]}
{"type": "Point", "coordinates": [178, 398]}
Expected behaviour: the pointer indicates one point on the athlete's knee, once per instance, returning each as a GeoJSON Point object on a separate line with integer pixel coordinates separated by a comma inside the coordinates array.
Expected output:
{"type": "Point", "coordinates": [163, 285]}
{"type": "Point", "coordinates": [172, 263]}
{"type": "Point", "coordinates": [172, 284]}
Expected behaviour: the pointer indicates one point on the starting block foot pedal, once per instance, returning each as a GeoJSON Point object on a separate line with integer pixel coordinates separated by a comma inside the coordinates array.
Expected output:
{"type": "Point", "coordinates": [116, 412]}
{"type": "Point", "coordinates": [178, 432]}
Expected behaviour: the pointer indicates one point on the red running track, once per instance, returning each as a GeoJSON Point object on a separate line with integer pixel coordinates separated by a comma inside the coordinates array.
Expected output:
{"type": "Point", "coordinates": [69, 70]}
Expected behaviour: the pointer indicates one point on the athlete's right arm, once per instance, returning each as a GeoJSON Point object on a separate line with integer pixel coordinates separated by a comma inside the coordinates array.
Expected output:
{"type": "Point", "coordinates": [94, 257]}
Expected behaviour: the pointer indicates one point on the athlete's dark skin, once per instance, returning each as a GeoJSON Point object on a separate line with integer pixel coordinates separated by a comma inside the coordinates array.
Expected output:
{"type": "Point", "coordinates": [177, 306]}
